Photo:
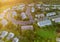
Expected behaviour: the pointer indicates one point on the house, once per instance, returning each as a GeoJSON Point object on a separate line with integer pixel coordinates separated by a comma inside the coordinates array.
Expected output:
{"type": "Point", "coordinates": [44, 23]}
{"type": "Point", "coordinates": [2, 16]}
{"type": "Point", "coordinates": [31, 5]}
{"type": "Point", "coordinates": [6, 10]}
{"type": "Point", "coordinates": [32, 9]}
{"type": "Point", "coordinates": [14, 13]}
{"type": "Point", "coordinates": [27, 27]}
{"type": "Point", "coordinates": [50, 14]}
{"type": "Point", "coordinates": [35, 19]}
{"type": "Point", "coordinates": [57, 39]}
{"type": "Point", "coordinates": [21, 6]}
{"type": "Point", "coordinates": [15, 39]}
{"type": "Point", "coordinates": [23, 15]}
{"type": "Point", "coordinates": [47, 8]}
{"type": "Point", "coordinates": [3, 34]}
{"type": "Point", "coordinates": [40, 15]}
{"type": "Point", "coordinates": [4, 22]}
{"type": "Point", "coordinates": [57, 19]}
{"type": "Point", "coordinates": [14, 7]}
{"type": "Point", "coordinates": [1, 41]}
{"type": "Point", "coordinates": [46, 5]}
{"type": "Point", "coordinates": [58, 8]}
{"type": "Point", "coordinates": [54, 7]}
{"type": "Point", "coordinates": [10, 36]}
{"type": "Point", "coordinates": [38, 6]}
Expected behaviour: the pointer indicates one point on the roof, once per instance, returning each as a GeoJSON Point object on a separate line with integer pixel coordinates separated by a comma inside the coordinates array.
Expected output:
{"type": "Point", "coordinates": [47, 8]}
{"type": "Point", "coordinates": [32, 4]}
{"type": "Point", "coordinates": [58, 39]}
{"type": "Point", "coordinates": [6, 10]}
{"type": "Point", "coordinates": [57, 19]}
{"type": "Point", "coordinates": [4, 22]}
{"type": "Point", "coordinates": [1, 41]}
{"type": "Point", "coordinates": [14, 7]}
{"type": "Point", "coordinates": [3, 34]}
{"type": "Point", "coordinates": [11, 35]}
{"type": "Point", "coordinates": [15, 39]}
{"type": "Point", "coordinates": [21, 6]}
{"type": "Point", "coordinates": [23, 15]}
{"type": "Point", "coordinates": [32, 9]}
{"type": "Point", "coordinates": [14, 13]}
{"type": "Point", "coordinates": [27, 27]}
{"type": "Point", "coordinates": [44, 23]}
{"type": "Point", "coordinates": [51, 14]}
{"type": "Point", "coordinates": [38, 5]}
{"type": "Point", "coordinates": [2, 16]}
{"type": "Point", "coordinates": [39, 15]}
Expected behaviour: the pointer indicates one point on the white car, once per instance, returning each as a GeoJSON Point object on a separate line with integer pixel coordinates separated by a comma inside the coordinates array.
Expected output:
{"type": "Point", "coordinates": [15, 39]}
{"type": "Point", "coordinates": [10, 36]}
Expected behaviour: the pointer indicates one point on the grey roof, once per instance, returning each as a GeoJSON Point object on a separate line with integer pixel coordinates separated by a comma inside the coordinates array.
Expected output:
{"type": "Point", "coordinates": [27, 27]}
{"type": "Point", "coordinates": [11, 35]}
{"type": "Point", "coordinates": [57, 39]}
{"type": "Point", "coordinates": [14, 13]}
{"type": "Point", "coordinates": [32, 9]}
{"type": "Point", "coordinates": [51, 14]}
{"type": "Point", "coordinates": [44, 23]}
{"type": "Point", "coordinates": [39, 15]}
{"type": "Point", "coordinates": [4, 22]}
{"type": "Point", "coordinates": [23, 15]}
{"type": "Point", "coordinates": [3, 34]}
{"type": "Point", "coordinates": [57, 19]}
{"type": "Point", "coordinates": [15, 39]}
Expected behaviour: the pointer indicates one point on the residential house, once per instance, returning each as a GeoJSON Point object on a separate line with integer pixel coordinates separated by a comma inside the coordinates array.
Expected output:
{"type": "Point", "coordinates": [1, 41]}
{"type": "Point", "coordinates": [46, 5]}
{"type": "Point", "coordinates": [58, 8]}
{"type": "Point", "coordinates": [47, 8]}
{"type": "Point", "coordinates": [23, 15]}
{"type": "Point", "coordinates": [57, 19]}
{"type": "Point", "coordinates": [32, 9]}
{"type": "Point", "coordinates": [27, 27]}
{"type": "Point", "coordinates": [44, 23]}
{"type": "Point", "coordinates": [51, 14]}
{"type": "Point", "coordinates": [57, 39]}
{"type": "Point", "coordinates": [14, 13]}
{"type": "Point", "coordinates": [54, 7]}
{"type": "Point", "coordinates": [6, 10]}
{"type": "Point", "coordinates": [31, 5]}
{"type": "Point", "coordinates": [4, 22]}
{"type": "Point", "coordinates": [40, 15]}
{"type": "Point", "coordinates": [15, 39]}
{"type": "Point", "coordinates": [38, 6]}
{"type": "Point", "coordinates": [2, 16]}
{"type": "Point", "coordinates": [21, 6]}
{"type": "Point", "coordinates": [10, 36]}
{"type": "Point", "coordinates": [3, 34]}
{"type": "Point", "coordinates": [14, 7]}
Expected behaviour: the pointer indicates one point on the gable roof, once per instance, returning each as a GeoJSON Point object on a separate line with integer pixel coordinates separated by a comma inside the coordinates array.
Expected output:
{"type": "Point", "coordinates": [51, 14]}
{"type": "Point", "coordinates": [44, 23]}
{"type": "Point", "coordinates": [27, 27]}
{"type": "Point", "coordinates": [57, 19]}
